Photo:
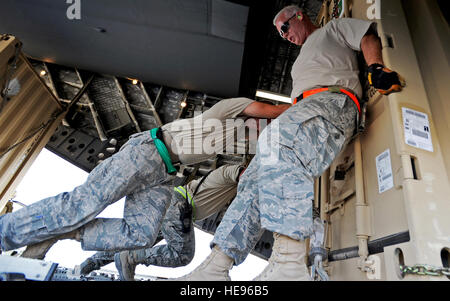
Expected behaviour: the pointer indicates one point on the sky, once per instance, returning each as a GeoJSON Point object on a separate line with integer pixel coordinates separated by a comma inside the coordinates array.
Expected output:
{"type": "Point", "coordinates": [50, 175]}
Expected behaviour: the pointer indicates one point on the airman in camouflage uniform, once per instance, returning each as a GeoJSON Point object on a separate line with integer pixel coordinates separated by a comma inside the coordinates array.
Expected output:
{"type": "Point", "coordinates": [176, 229]}
{"type": "Point", "coordinates": [276, 191]}
{"type": "Point", "coordinates": [136, 172]}
{"type": "Point", "coordinates": [208, 195]}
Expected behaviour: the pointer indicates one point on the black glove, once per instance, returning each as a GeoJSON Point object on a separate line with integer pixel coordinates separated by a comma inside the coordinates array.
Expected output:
{"type": "Point", "coordinates": [186, 217]}
{"type": "Point", "coordinates": [384, 80]}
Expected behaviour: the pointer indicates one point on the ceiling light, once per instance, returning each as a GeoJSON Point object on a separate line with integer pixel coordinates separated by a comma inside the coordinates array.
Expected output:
{"type": "Point", "coordinates": [273, 96]}
{"type": "Point", "coordinates": [134, 81]}
{"type": "Point", "coordinates": [43, 72]}
{"type": "Point", "coordinates": [183, 104]}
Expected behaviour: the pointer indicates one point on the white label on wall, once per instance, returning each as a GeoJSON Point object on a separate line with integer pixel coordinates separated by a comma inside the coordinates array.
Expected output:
{"type": "Point", "coordinates": [417, 129]}
{"type": "Point", "coordinates": [384, 171]}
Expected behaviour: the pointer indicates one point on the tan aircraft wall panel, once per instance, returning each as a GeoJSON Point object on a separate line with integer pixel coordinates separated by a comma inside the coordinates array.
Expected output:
{"type": "Point", "coordinates": [22, 116]}
{"type": "Point", "coordinates": [430, 34]}
{"type": "Point", "coordinates": [388, 207]}
{"type": "Point", "coordinates": [419, 201]}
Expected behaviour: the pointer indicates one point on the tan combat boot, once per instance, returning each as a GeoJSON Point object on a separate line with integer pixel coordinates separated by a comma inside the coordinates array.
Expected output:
{"type": "Point", "coordinates": [214, 268]}
{"type": "Point", "coordinates": [38, 250]}
{"type": "Point", "coordinates": [287, 262]}
{"type": "Point", "coordinates": [126, 262]}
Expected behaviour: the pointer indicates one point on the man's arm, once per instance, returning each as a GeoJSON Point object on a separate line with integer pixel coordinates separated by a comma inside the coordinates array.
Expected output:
{"type": "Point", "coordinates": [381, 78]}
{"type": "Point", "coordinates": [263, 110]}
{"type": "Point", "coordinates": [371, 49]}
{"type": "Point", "coordinates": [229, 173]}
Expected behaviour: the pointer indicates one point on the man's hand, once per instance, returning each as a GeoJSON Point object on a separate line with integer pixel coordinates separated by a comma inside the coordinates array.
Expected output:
{"type": "Point", "coordinates": [384, 80]}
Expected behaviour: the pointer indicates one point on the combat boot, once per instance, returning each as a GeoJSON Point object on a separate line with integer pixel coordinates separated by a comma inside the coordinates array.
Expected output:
{"type": "Point", "coordinates": [287, 261]}
{"type": "Point", "coordinates": [89, 265]}
{"type": "Point", "coordinates": [126, 262]}
{"type": "Point", "coordinates": [95, 262]}
{"type": "Point", "coordinates": [214, 268]}
{"type": "Point", "coordinates": [38, 250]}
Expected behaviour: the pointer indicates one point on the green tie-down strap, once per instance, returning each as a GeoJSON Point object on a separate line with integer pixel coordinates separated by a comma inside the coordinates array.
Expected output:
{"type": "Point", "coordinates": [163, 152]}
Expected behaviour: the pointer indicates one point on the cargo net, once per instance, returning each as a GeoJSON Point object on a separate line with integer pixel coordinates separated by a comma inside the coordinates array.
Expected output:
{"type": "Point", "coordinates": [108, 100]}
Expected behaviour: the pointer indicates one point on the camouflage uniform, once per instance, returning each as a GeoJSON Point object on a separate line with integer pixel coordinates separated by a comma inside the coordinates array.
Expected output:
{"type": "Point", "coordinates": [217, 190]}
{"type": "Point", "coordinates": [178, 231]}
{"type": "Point", "coordinates": [136, 172]}
{"type": "Point", "coordinates": [276, 190]}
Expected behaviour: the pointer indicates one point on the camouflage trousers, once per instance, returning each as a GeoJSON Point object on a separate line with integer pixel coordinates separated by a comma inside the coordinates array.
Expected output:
{"type": "Point", "coordinates": [178, 231]}
{"type": "Point", "coordinates": [136, 172]}
{"type": "Point", "coordinates": [277, 189]}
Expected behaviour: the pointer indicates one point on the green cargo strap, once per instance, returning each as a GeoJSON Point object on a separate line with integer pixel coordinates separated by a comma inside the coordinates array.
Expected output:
{"type": "Point", "coordinates": [163, 152]}
{"type": "Point", "coordinates": [181, 190]}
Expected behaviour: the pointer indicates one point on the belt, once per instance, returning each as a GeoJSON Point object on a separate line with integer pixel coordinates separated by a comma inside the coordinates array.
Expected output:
{"type": "Point", "coordinates": [156, 135]}
{"type": "Point", "coordinates": [333, 89]}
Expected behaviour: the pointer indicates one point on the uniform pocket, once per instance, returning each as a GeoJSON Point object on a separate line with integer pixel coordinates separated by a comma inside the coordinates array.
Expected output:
{"type": "Point", "coordinates": [317, 144]}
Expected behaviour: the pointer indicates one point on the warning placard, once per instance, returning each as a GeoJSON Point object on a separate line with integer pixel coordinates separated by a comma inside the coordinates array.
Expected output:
{"type": "Point", "coordinates": [384, 171]}
{"type": "Point", "coordinates": [417, 129]}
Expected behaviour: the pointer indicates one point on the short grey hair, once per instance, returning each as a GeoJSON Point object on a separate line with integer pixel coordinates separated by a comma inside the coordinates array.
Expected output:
{"type": "Point", "coordinates": [291, 9]}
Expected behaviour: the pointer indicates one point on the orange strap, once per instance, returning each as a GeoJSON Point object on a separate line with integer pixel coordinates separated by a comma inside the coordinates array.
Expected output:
{"type": "Point", "coordinates": [314, 91]}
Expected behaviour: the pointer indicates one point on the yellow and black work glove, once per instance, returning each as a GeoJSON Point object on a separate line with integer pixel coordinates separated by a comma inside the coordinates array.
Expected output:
{"type": "Point", "coordinates": [384, 80]}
